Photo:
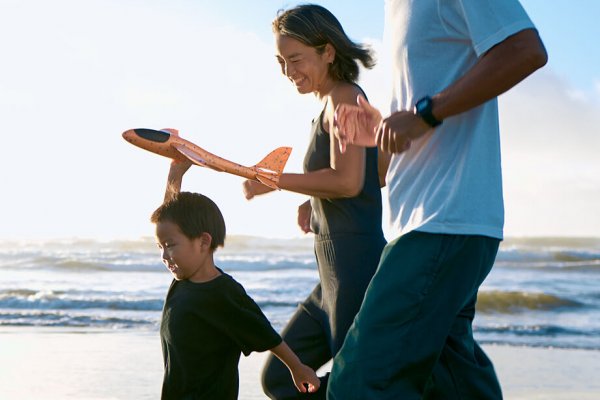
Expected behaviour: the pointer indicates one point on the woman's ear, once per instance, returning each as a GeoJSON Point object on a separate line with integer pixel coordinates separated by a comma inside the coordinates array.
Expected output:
{"type": "Point", "coordinates": [329, 53]}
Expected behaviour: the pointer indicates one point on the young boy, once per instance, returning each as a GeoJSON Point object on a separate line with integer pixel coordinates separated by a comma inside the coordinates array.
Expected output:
{"type": "Point", "coordinates": [208, 319]}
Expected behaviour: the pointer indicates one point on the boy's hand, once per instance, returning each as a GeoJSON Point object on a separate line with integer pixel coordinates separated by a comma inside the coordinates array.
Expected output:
{"type": "Point", "coordinates": [176, 171]}
{"type": "Point", "coordinates": [301, 374]}
{"type": "Point", "coordinates": [305, 379]}
{"type": "Point", "coordinates": [178, 168]}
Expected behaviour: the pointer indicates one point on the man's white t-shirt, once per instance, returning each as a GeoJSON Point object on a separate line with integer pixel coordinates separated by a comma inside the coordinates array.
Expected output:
{"type": "Point", "coordinates": [450, 180]}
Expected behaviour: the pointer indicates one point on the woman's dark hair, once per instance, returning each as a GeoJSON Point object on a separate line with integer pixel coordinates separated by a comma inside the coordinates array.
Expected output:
{"type": "Point", "coordinates": [194, 214]}
{"type": "Point", "coordinates": [316, 26]}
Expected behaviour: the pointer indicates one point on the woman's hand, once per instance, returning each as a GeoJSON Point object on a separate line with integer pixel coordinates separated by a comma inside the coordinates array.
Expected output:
{"type": "Point", "coordinates": [253, 188]}
{"type": "Point", "coordinates": [304, 212]}
{"type": "Point", "coordinates": [357, 124]}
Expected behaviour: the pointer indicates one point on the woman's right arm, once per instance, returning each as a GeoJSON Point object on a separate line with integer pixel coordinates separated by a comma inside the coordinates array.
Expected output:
{"type": "Point", "coordinates": [345, 175]}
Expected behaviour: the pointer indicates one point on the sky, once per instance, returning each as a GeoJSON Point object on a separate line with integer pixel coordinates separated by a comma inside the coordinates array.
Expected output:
{"type": "Point", "coordinates": [76, 74]}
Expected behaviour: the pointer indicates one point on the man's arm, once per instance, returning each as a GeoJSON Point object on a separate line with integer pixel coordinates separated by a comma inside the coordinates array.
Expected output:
{"type": "Point", "coordinates": [498, 70]}
{"type": "Point", "coordinates": [501, 68]}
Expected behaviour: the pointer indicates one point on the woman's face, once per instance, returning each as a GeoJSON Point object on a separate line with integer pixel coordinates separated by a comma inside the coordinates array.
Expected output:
{"type": "Point", "coordinates": [303, 65]}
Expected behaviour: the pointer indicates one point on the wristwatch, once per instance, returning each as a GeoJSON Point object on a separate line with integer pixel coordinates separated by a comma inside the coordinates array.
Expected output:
{"type": "Point", "coordinates": [423, 109]}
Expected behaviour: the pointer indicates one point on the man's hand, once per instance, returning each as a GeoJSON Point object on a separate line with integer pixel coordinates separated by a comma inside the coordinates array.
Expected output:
{"type": "Point", "coordinates": [395, 133]}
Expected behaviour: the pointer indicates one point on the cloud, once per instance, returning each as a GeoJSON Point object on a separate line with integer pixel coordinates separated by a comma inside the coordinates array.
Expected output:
{"type": "Point", "coordinates": [551, 143]}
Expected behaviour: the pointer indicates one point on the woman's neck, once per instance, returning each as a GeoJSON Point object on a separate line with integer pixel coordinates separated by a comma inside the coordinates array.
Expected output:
{"type": "Point", "coordinates": [323, 92]}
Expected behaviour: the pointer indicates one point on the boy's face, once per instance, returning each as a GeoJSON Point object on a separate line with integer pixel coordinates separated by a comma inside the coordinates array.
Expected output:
{"type": "Point", "coordinates": [186, 258]}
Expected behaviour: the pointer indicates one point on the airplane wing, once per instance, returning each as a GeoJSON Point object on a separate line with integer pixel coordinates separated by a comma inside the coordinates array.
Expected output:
{"type": "Point", "coordinates": [194, 157]}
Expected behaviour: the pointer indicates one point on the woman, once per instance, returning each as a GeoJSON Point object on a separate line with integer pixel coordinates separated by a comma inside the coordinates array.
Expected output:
{"type": "Point", "coordinates": [344, 211]}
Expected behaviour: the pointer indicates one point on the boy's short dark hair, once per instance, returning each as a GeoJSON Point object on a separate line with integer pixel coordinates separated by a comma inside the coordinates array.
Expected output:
{"type": "Point", "coordinates": [194, 214]}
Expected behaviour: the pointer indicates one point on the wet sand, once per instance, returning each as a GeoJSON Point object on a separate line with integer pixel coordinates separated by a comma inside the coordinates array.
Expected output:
{"type": "Point", "coordinates": [55, 364]}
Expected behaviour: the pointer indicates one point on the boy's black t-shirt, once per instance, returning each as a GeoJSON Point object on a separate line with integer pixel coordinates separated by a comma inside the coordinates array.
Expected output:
{"type": "Point", "coordinates": [204, 328]}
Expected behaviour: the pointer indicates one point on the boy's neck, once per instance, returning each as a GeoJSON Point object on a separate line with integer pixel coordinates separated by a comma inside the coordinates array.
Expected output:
{"type": "Point", "coordinates": [206, 274]}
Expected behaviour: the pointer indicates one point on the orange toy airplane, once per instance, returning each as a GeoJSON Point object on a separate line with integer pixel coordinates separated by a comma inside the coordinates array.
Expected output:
{"type": "Point", "coordinates": [172, 146]}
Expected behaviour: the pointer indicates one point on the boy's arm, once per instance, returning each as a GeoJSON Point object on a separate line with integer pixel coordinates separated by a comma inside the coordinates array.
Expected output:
{"type": "Point", "coordinates": [305, 378]}
{"type": "Point", "coordinates": [178, 168]}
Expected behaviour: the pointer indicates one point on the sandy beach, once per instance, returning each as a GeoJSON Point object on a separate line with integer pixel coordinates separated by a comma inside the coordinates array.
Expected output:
{"type": "Point", "coordinates": [51, 364]}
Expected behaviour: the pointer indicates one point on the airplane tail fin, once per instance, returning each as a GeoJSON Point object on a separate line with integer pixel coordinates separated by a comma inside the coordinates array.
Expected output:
{"type": "Point", "coordinates": [269, 169]}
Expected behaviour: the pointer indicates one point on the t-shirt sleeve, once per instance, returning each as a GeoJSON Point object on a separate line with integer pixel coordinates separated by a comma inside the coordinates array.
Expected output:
{"type": "Point", "coordinates": [491, 21]}
{"type": "Point", "coordinates": [247, 325]}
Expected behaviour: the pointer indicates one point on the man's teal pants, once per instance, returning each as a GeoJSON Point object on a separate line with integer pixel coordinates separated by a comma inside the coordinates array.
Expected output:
{"type": "Point", "coordinates": [412, 338]}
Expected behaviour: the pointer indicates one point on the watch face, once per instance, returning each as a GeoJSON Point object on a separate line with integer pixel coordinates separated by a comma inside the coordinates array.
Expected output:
{"type": "Point", "coordinates": [422, 105]}
{"type": "Point", "coordinates": [423, 109]}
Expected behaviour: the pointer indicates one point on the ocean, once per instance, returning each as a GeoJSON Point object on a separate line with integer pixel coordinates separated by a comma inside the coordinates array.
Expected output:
{"type": "Point", "coordinates": [542, 292]}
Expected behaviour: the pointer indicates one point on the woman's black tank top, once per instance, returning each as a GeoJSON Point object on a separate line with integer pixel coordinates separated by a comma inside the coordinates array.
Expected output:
{"type": "Point", "coordinates": [359, 214]}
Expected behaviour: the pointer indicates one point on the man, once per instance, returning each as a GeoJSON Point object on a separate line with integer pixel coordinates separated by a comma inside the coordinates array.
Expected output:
{"type": "Point", "coordinates": [412, 338]}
